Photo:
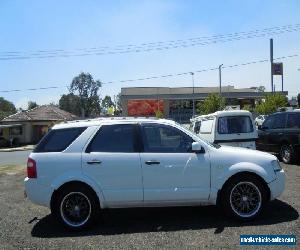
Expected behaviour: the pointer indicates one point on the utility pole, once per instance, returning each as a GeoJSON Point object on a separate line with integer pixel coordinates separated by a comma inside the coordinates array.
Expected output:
{"type": "Point", "coordinates": [271, 60]}
{"type": "Point", "coordinates": [220, 80]}
{"type": "Point", "coordinates": [192, 74]}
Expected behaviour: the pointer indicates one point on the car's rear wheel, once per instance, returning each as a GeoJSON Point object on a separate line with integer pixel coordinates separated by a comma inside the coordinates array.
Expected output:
{"type": "Point", "coordinates": [244, 197]}
{"type": "Point", "coordinates": [287, 153]}
{"type": "Point", "coordinates": [76, 207]}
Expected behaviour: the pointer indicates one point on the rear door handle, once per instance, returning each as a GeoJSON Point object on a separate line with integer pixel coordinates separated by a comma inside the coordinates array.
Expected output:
{"type": "Point", "coordinates": [93, 162]}
{"type": "Point", "coordinates": [152, 162]}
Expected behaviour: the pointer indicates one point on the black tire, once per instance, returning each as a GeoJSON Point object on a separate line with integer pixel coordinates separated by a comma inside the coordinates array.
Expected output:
{"type": "Point", "coordinates": [233, 204]}
{"type": "Point", "coordinates": [287, 153]}
{"type": "Point", "coordinates": [76, 207]}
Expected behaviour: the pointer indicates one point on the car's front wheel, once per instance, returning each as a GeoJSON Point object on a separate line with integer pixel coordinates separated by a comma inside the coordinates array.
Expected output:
{"type": "Point", "coordinates": [76, 207]}
{"type": "Point", "coordinates": [244, 197]}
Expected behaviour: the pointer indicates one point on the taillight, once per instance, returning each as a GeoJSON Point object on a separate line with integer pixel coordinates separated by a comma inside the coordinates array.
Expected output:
{"type": "Point", "coordinates": [31, 168]}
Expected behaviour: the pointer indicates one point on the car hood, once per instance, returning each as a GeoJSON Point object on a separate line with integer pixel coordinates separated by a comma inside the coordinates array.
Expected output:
{"type": "Point", "coordinates": [238, 154]}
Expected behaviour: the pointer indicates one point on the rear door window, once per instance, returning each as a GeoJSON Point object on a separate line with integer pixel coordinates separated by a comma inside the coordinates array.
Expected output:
{"type": "Point", "coordinates": [235, 124]}
{"type": "Point", "coordinates": [115, 138]}
{"type": "Point", "coordinates": [58, 140]}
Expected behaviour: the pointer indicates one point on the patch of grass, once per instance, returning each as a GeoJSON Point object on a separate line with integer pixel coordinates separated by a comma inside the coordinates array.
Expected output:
{"type": "Point", "coordinates": [11, 169]}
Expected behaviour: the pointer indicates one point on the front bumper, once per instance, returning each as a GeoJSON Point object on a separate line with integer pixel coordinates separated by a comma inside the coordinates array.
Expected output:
{"type": "Point", "coordinates": [37, 193]}
{"type": "Point", "coordinates": [277, 186]}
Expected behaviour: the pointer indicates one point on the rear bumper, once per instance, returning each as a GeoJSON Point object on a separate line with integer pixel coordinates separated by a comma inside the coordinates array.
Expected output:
{"type": "Point", "coordinates": [277, 186]}
{"type": "Point", "coordinates": [37, 193]}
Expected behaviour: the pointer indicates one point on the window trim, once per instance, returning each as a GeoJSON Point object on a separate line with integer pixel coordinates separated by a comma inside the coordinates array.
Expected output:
{"type": "Point", "coordinates": [142, 137]}
{"type": "Point", "coordinates": [136, 140]}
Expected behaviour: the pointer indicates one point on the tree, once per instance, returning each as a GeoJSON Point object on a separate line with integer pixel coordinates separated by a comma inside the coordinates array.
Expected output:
{"type": "Point", "coordinates": [87, 89]}
{"type": "Point", "coordinates": [248, 107]}
{"type": "Point", "coordinates": [106, 103]}
{"type": "Point", "coordinates": [70, 103]}
{"type": "Point", "coordinates": [31, 105]}
{"type": "Point", "coordinates": [118, 104]}
{"type": "Point", "coordinates": [6, 108]}
{"type": "Point", "coordinates": [298, 99]}
{"type": "Point", "coordinates": [261, 89]}
{"type": "Point", "coordinates": [211, 104]}
{"type": "Point", "coordinates": [271, 104]}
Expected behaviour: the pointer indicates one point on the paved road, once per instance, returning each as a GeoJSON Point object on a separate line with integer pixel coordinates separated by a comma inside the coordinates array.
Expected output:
{"type": "Point", "coordinates": [24, 225]}
{"type": "Point", "coordinates": [14, 158]}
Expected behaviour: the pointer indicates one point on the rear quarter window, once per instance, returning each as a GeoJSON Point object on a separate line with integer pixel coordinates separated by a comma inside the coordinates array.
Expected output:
{"type": "Point", "coordinates": [57, 140]}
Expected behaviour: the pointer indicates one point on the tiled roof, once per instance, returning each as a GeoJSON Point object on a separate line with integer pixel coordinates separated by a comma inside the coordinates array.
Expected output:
{"type": "Point", "coordinates": [41, 113]}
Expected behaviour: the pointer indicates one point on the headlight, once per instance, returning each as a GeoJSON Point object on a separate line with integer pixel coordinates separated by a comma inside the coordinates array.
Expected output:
{"type": "Point", "coordinates": [276, 165]}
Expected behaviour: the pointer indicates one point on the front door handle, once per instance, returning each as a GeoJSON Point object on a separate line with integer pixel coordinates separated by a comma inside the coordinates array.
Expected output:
{"type": "Point", "coordinates": [93, 162]}
{"type": "Point", "coordinates": [152, 162]}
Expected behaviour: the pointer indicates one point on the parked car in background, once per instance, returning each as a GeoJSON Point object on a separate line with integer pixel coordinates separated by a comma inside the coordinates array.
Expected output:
{"type": "Point", "coordinates": [259, 120]}
{"type": "Point", "coordinates": [233, 128]}
{"type": "Point", "coordinates": [280, 134]}
{"type": "Point", "coordinates": [82, 167]}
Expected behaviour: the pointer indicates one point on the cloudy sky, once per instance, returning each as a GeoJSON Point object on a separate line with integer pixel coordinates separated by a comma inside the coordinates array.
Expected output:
{"type": "Point", "coordinates": [29, 27]}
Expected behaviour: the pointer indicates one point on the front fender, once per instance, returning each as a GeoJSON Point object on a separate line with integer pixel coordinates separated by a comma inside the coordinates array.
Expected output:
{"type": "Point", "coordinates": [222, 176]}
{"type": "Point", "coordinates": [78, 176]}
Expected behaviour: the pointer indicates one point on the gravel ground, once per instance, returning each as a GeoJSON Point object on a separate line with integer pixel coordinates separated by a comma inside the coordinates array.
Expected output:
{"type": "Point", "coordinates": [27, 226]}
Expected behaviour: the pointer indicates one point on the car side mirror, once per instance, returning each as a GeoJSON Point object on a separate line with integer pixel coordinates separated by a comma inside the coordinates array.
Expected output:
{"type": "Point", "coordinates": [197, 148]}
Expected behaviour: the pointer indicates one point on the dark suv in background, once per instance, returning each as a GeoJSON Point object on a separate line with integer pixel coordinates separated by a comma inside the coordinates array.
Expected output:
{"type": "Point", "coordinates": [280, 134]}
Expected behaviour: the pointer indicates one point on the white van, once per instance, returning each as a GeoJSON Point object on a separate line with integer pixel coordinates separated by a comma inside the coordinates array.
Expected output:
{"type": "Point", "coordinates": [233, 128]}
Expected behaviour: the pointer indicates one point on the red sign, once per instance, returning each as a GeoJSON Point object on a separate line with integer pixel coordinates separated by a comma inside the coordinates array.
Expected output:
{"type": "Point", "coordinates": [144, 107]}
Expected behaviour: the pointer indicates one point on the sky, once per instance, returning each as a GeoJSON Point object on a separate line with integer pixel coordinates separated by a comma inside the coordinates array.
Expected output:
{"type": "Point", "coordinates": [30, 26]}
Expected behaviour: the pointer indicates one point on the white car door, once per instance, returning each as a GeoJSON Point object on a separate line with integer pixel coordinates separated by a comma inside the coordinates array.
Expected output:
{"type": "Point", "coordinates": [171, 171]}
{"type": "Point", "coordinates": [112, 160]}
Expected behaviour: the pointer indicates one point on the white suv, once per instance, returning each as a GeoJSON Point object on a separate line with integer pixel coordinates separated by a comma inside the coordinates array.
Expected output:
{"type": "Point", "coordinates": [81, 167]}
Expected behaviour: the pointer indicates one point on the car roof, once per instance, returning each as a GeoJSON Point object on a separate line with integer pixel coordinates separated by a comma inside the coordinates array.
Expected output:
{"type": "Point", "coordinates": [110, 120]}
{"type": "Point", "coordinates": [287, 112]}
{"type": "Point", "coordinates": [221, 114]}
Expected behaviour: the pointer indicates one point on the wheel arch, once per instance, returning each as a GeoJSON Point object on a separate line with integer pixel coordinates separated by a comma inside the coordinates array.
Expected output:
{"type": "Point", "coordinates": [68, 180]}
{"type": "Point", "coordinates": [243, 174]}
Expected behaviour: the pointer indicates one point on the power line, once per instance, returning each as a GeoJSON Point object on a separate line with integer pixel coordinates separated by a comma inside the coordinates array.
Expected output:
{"type": "Point", "coordinates": [158, 76]}
{"type": "Point", "coordinates": [147, 47]}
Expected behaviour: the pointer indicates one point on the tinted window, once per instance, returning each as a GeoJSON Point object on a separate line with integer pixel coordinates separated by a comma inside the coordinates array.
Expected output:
{"type": "Point", "coordinates": [114, 138]}
{"type": "Point", "coordinates": [165, 139]}
{"type": "Point", "coordinates": [293, 121]}
{"type": "Point", "coordinates": [268, 123]}
{"type": "Point", "coordinates": [58, 140]}
{"type": "Point", "coordinates": [234, 124]}
{"type": "Point", "coordinates": [278, 121]}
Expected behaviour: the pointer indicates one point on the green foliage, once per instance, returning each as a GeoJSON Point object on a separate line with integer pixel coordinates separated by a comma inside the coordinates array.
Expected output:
{"type": "Point", "coordinates": [159, 114]}
{"type": "Point", "coordinates": [211, 104]}
{"type": "Point", "coordinates": [31, 105]}
{"type": "Point", "coordinates": [271, 104]}
{"type": "Point", "coordinates": [107, 102]}
{"type": "Point", "coordinates": [87, 89]}
{"type": "Point", "coordinates": [261, 89]}
{"type": "Point", "coordinates": [248, 107]}
{"type": "Point", "coordinates": [70, 103]}
{"type": "Point", "coordinates": [107, 105]}
{"type": "Point", "coordinates": [119, 103]}
{"type": "Point", "coordinates": [298, 99]}
{"type": "Point", "coordinates": [6, 108]}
